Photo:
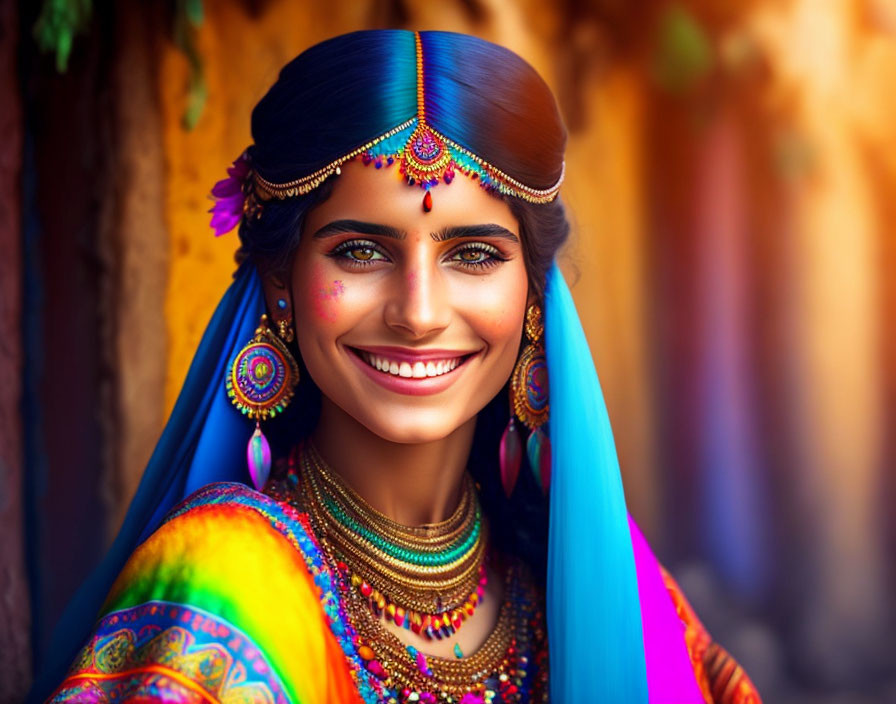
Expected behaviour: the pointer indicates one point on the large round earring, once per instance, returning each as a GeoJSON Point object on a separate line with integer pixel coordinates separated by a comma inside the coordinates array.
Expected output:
{"type": "Point", "coordinates": [261, 382]}
{"type": "Point", "coordinates": [529, 403]}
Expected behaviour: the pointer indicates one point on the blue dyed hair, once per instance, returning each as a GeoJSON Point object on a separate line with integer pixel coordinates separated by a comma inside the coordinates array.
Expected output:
{"type": "Point", "coordinates": [349, 90]}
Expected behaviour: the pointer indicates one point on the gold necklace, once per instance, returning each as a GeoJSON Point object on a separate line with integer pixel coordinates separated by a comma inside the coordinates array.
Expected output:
{"type": "Point", "coordinates": [510, 665]}
{"type": "Point", "coordinates": [427, 579]}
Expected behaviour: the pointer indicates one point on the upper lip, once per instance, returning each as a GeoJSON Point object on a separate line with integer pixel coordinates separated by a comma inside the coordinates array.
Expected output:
{"type": "Point", "coordinates": [411, 355]}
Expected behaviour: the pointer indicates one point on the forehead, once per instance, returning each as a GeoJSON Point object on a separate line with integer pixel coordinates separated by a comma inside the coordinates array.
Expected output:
{"type": "Point", "coordinates": [382, 196]}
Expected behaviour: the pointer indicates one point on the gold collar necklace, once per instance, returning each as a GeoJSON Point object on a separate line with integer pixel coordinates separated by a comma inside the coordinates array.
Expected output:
{"type": "Point", "coordinates": [427, 579]}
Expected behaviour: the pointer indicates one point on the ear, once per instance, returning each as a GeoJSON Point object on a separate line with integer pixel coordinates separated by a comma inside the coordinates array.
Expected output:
{"type": "Point", "coordinates": [276, 289]}
{"type": "Point", "coordinates": [532, 298]}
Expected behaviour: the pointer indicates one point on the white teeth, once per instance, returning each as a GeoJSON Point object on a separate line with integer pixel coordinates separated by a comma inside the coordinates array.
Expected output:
{"type": "Point", "coordinates": [417, 370]}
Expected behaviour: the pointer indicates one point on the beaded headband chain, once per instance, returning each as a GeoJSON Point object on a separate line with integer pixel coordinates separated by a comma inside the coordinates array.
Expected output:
{"type": "Point", "coordinates": [425, 157]}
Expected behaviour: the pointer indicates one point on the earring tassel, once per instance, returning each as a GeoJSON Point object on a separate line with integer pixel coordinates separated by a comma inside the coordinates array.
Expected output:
{"type": "Point", "coordinates": [510, 455]}
{"type": "Point", "coordinates": [258, 456]}
{"type": "Point", "coordinates": [538, 450]}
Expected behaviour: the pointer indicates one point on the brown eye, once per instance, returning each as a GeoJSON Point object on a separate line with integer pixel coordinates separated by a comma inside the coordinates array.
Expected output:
{"type": "Point", "coordinates": [363, 254]}
{"type": "Point", "coordinates": [477, 255]}
{"type": "Point", "coordinates": [359, 252]}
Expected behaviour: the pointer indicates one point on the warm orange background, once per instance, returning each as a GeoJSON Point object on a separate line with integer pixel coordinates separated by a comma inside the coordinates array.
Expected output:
{"type": "Point", "coordinates": [732, 215]}
{"type": "Point", "coordinates": [731, 179]}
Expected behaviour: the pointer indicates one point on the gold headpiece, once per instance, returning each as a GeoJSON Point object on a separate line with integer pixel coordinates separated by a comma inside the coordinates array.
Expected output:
{"type": "Point", "coordinates": [424, 155]}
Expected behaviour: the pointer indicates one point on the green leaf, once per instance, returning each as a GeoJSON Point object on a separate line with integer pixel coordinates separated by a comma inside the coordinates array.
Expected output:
{"type": "Point", "coordinates": [59, 22]}
{"type": "Point", "coordinates": [193, 11]}
{"type": "Point", "coordinates": [684, 53]}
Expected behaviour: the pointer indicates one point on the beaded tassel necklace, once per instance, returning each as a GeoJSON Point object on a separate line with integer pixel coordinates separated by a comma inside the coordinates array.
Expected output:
{"type": "Point", "coordinates": [427, 579]}
{"type": "Point", "coordinates": [510, 667]}
{"type": "Point", "coordinates": [499, 671]}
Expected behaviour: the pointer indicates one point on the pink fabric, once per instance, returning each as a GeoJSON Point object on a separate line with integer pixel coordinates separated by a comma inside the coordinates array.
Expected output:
{"type": "Point", "coordinates": [670, 676]}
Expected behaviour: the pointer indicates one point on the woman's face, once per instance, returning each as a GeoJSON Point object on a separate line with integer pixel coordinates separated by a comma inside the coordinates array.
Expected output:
{"type": "Point", "coordinates": [409, 321]}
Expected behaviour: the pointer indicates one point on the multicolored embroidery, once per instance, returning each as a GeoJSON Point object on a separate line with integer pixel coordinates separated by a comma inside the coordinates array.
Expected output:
{"type": "Point", "coordinates": [722, 680]}
{"type": "Point", "coordinates": [159, 649]}
{"type": "Point", "coordinates": [294, 526]}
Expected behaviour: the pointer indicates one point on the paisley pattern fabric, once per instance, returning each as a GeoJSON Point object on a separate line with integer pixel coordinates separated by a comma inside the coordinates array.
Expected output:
{"type": "Point", "coordinates": [236, 580]}
{"type": "Point", "coordinates": [161, 650]}
{"type": "Point", "coordinates": [231, 602]}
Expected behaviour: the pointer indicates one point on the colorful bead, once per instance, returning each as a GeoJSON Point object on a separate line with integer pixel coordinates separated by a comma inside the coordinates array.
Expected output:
{"type": "Point", "coordinates": [258, 457]}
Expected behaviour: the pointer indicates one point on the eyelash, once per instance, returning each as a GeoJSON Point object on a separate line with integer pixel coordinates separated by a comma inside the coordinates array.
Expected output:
{"type": "Point", "coordinates": [494, 256]}
{"type": "Point", "coordinates": [343, 251]}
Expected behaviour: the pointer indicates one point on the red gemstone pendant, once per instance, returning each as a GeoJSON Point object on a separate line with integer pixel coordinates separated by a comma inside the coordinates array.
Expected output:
{"type": "Point", "coordinates": [427, 202]}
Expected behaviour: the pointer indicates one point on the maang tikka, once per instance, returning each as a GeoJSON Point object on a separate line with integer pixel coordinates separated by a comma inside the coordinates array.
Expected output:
{"type": "Point", "coordinates": [261, 382]}
{"type": "Point", "coordinates": [529, 403]}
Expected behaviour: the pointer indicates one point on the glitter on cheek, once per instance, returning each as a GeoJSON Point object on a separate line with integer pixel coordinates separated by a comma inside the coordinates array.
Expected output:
{"type": "Point", "coordinates": [326, 300]}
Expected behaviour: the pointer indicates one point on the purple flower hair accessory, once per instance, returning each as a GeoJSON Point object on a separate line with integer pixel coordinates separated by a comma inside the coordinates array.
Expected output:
{"type": "Point", "coordinates": [230, 196]}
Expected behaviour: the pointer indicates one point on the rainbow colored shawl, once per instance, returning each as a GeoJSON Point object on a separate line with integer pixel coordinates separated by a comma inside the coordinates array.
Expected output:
{"type": "Point", "coordinates": [228, 601]}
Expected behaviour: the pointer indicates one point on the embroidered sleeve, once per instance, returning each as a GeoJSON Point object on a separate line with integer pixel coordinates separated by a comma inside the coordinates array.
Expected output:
{"type": "Point", "coordinates": [721, 679]}
{"type": "Point", "coordinates": [224, 602]}
{"type": "Point", "coordinates": [160, 651]}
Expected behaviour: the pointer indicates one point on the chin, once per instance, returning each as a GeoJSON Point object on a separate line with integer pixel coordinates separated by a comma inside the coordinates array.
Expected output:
{"type": "Point", "coordinates": [413, 426]}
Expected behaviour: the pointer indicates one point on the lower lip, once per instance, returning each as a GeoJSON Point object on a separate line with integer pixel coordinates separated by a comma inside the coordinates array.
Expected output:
{"type": "Point", "coordinates": [423, 386]}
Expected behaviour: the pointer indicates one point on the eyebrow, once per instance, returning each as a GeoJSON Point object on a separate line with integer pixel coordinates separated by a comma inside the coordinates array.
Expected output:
{"type": "Point", "coordinates": [479, 231]}
{"type": "Point", "coordinates": [341, 227]}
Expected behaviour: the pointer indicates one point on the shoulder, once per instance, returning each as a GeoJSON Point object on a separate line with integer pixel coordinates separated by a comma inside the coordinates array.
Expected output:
{"type": "Point", "coordinates": [721, 678]}
{"type": "Point", "coordinates": [230, 588]}
{"type": "Point", "coordinates": [221, 542]}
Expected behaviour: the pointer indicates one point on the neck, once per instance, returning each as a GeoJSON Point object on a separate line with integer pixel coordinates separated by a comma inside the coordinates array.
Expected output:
{"type": "Point", "coordinates": [412, 484]}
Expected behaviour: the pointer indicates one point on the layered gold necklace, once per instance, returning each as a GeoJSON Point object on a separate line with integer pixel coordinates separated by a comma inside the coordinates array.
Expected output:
{"type": "Point", "coordinates": [427, 579]}
{"type": "Point", "coordinates": [417, 577]}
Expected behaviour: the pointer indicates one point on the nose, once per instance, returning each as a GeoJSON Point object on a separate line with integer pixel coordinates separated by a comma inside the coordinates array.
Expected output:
{"type": "Point", "coordinates": [419, 305]}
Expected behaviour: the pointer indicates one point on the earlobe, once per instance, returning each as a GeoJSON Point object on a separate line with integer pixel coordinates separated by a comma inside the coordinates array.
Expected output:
{"type": "Point", "coordinates": [276, 294]}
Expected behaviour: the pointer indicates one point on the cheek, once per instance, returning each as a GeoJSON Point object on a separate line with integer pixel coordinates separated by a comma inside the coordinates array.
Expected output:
{"type": "Point", "coordinates": [322, 296]}
{"type": "Point", "coordinates": [498, 312]}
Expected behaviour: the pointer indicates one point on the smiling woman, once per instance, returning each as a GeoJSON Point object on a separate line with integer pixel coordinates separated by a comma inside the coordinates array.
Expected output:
{"type": "Point", "coordinates": [399, 217]}
{"type": "Point", "coordinates": [446, 287]}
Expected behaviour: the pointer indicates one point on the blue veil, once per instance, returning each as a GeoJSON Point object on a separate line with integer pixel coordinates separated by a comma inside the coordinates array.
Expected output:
{"type": "Point", "coordinates": [204, 441]}
{"type": "Point", "coordinates": [593, 610]}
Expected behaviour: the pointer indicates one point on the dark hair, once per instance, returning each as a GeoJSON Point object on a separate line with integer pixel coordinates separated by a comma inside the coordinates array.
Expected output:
{"type": "Point", "coordinates": [349, 90]}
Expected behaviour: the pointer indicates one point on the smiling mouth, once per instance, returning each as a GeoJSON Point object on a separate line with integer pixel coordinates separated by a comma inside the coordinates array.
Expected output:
{"type": "Point", "coordinates": [411, 370]}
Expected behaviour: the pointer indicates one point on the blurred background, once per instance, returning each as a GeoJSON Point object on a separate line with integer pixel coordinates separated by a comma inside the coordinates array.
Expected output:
{"type": "Point", "coordinates": [732, 182]}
